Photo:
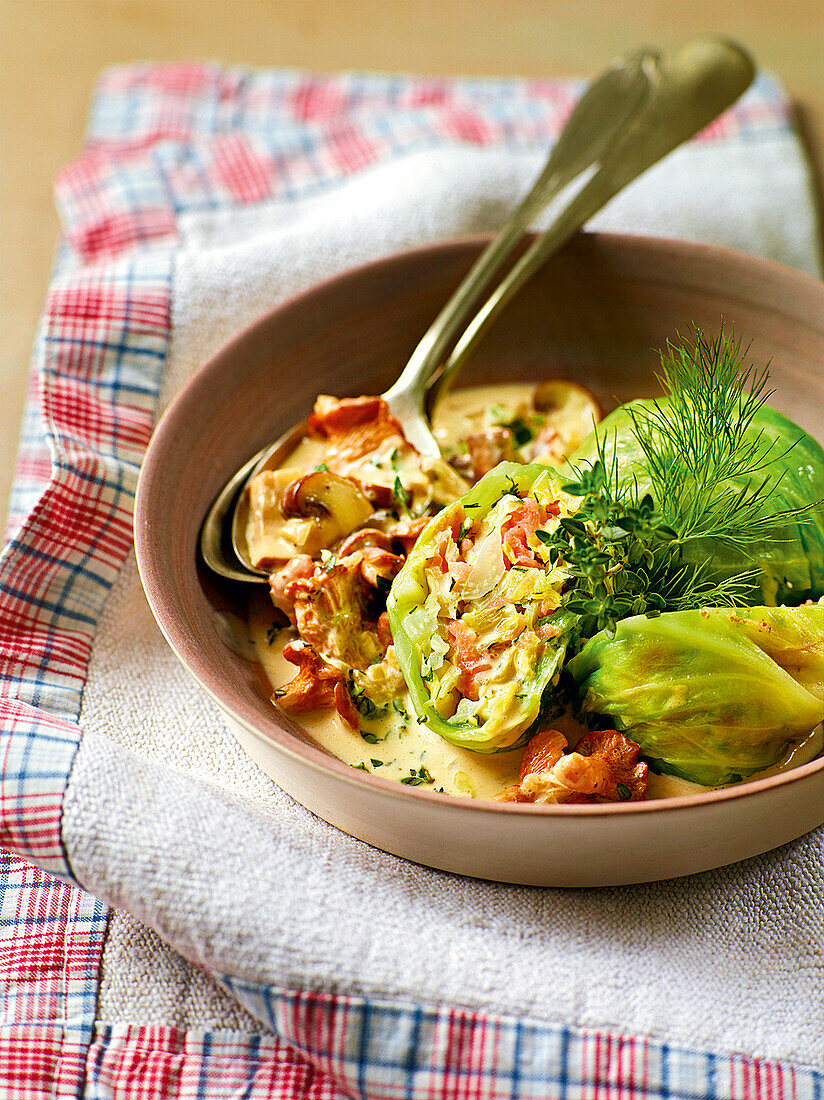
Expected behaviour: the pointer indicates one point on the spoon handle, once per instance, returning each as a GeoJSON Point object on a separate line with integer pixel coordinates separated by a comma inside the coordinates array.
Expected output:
{"type": "Point", "coordinates": [701, 81]}
{"type": "Point", "coordinates": [608, 105]}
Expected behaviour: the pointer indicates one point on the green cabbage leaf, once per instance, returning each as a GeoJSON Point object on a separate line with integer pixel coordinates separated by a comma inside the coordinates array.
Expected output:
{"type": "Point", "coordinates": [711, 695]}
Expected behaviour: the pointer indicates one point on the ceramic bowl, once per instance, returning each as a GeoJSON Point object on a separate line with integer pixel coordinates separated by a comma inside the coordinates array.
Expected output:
{"type": "Point", "coordinates": [595, 313]}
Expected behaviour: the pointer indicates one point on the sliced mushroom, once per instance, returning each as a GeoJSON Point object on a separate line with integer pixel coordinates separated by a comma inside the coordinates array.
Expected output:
{"type": "Point", "coordinates": [567, 403]}
{"type": "Point", "coordinates": [328, 498]}
{"type": "Point", "coordinates": [292, 512]}
{"type": "Point", "coordinates": [268, 539]}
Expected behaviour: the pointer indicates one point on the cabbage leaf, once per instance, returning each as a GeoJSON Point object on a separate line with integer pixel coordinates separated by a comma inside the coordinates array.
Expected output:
{"type": "Point", "coordinates": [712, 695]}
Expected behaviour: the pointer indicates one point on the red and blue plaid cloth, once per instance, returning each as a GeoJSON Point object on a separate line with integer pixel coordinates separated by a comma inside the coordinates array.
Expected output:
{"type": "Point", "coordinates": [164, 140]}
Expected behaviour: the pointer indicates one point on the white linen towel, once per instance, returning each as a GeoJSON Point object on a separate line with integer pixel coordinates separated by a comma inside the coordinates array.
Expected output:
{"type": "Point", "coordinates": [167, 818]}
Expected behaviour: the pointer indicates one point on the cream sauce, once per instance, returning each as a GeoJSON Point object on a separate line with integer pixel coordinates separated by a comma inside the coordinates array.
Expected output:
{"type": "Point", "coordinates": [392, 745]}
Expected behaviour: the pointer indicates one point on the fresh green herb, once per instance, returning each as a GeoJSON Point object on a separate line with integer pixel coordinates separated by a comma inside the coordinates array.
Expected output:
{"type": "Point", "coordinates": [698, 445]}
{"type": "Point", "coordinates": [361, 702]}
{"type": "Point", "coordinates": [394, 458]}
{"type": "Point", "coordinates": [377, 763]}
{"type": "Point", "coordinates": [402, 497]}
{"type": "Point", "coordinates": [624, 793]}
{"type": "Point", "coordinates": [360, 767]}
{"type": "Point", "coordinates": [521, 432]}
{"type": "Point", "coordinates": [383, 584]}
{"type": "Point", "coordinates": [370, 738]}
{"type": "Point", "coordinates": [416, 778]}
{"type": "Point", "coordinates": [463, 531]}
{"type": "Point", "coordinates": [322, 467]}
{"type": "Point", "coordinates": [328, 560]}
{"type": "Point", "coordinates": [511, 489]}
{"type": "Point", "coordinates": [625, 549]}
{"type": "Point", "coordinates": [625, 560]}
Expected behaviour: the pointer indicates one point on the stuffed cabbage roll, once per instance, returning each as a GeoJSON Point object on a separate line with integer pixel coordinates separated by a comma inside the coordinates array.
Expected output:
{"type": "Point", "coordinates": [475, 613]}
{"type": "Point", "coordinates": [711, 695]}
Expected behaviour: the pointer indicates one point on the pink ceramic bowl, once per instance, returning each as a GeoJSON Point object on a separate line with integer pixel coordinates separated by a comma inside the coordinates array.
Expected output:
{"type": "Point", "coordinates": [594, 313]}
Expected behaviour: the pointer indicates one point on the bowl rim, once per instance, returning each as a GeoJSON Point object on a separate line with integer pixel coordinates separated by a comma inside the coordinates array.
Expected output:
{"type": "Point", "coordinates": [276, 735]}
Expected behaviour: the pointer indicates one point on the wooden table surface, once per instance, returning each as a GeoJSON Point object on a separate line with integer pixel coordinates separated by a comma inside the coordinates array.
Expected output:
{"type": "Point", "coordinates": [52, 50]}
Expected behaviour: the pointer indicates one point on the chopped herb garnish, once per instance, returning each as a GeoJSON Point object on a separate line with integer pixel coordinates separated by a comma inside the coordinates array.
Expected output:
{"type": "Point", "coordinates": [511, 490]}
{"type": "Point", "coordinates": [624, 793]}
{"type": "Point", "coordinates": [402, 497]}
{"type": "Point", "coordinates": [463, 531]}
{"type": "Point", "coordinates": [383, 584]}
{"type": "Point", "coordinates": [361, 702]}
{"type": "Point", "coordinates": [521, 433]}
{"type": "Point", "coordinates": [328, 560]}
{"type": "Point", "coordinates": [377, 763]}
{"type": "Point", "coordinates": [370, 738]}
{"type": "Point", "coordinates": [322, 467]}
{"type": "Point", "coordinates": [400, 709]}
{"type": "Point", "coordinates": [360, 767]}
{"type": "Point", "coordinates": [416, 778]}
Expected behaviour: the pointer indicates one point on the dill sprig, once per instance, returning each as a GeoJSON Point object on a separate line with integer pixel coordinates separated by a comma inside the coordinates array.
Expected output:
{"type": "Point", "coordinates": [704, 464]}
{"type": "Point", "coordinates": [703, 480]}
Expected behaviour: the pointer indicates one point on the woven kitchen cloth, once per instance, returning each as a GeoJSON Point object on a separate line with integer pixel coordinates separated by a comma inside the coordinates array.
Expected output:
{"type": "Point", "coordinates": [202, 199]}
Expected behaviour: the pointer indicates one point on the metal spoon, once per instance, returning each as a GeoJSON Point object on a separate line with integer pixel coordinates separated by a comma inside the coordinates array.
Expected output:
{"type": "Point", "coordinates": [701, 81]}
{"type": "Point", "coordinates": [704, 78]}
{"type": "Point", "coordinates": [606, 107]}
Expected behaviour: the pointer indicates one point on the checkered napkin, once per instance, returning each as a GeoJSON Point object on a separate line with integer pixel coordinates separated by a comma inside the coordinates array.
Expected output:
{"type": "Point", "coordinates": [322, 968]}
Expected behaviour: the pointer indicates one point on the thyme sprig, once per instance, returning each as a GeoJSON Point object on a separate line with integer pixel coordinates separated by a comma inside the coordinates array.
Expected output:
{"type": "Point", "coordinates": [625, 559]}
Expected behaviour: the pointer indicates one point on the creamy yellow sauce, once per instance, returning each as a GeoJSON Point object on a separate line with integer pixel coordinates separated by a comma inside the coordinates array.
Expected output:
{"type": "Point", "coordinates": [393, 744]}
{"type": "Point", "coordinates": [463, 412]}
{"type": "Point", "coordinates": [397, 747]}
